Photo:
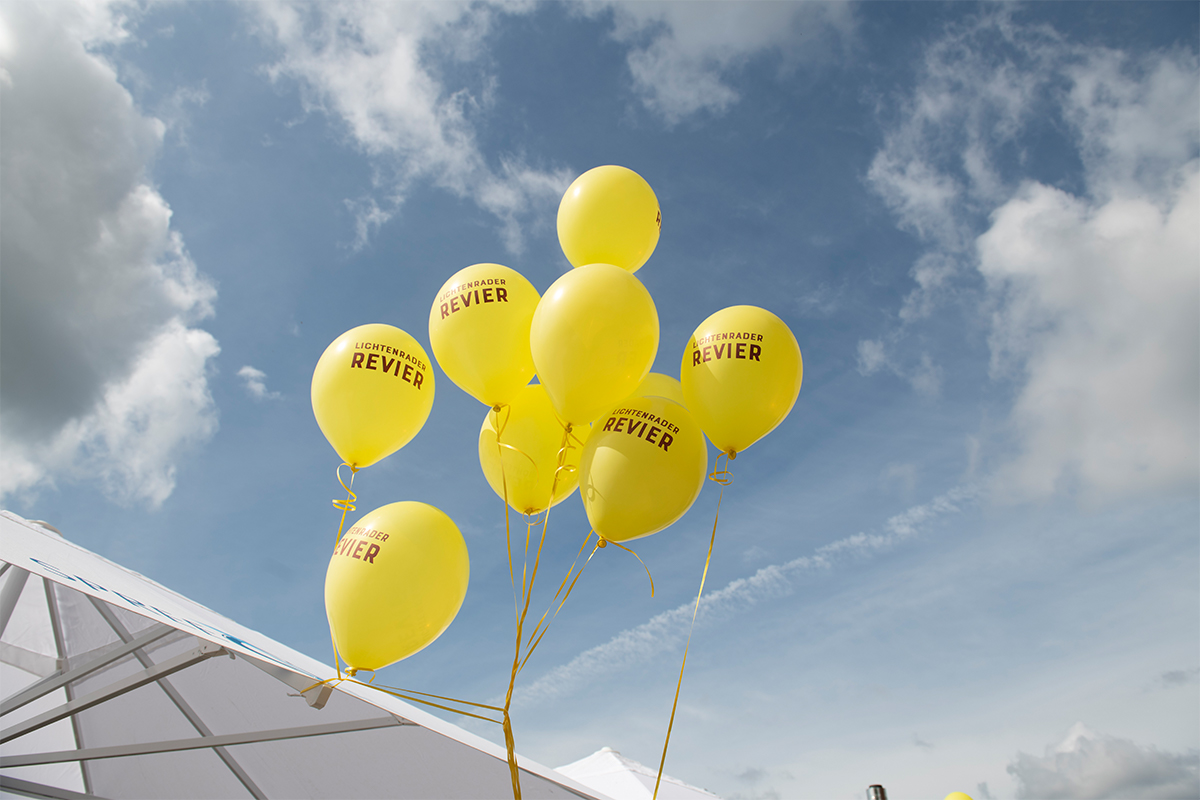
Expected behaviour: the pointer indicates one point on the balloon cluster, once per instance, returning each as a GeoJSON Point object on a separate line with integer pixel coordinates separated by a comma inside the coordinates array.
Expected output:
{"type": "Point", "coordinates": [596, 418]}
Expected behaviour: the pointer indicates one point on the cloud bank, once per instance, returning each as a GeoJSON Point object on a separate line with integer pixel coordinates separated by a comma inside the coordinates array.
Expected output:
{"type": "Point", "coordinates": [103, 373]}
{"type": "Point", "coordinates": [1091, 288]}
{"type": "Point", "coordinates": [1090, 765]}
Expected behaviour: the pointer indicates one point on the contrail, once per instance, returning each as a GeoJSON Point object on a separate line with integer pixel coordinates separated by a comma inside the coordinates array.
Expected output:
{"type": "Point", "coordinates": [667, 631]}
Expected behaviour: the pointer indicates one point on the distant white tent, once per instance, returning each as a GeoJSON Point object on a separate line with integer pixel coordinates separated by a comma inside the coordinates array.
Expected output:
{"type": "Point", "coordinates": [610, 773]}
{"type": "Point", "coordinates": [116, 687]}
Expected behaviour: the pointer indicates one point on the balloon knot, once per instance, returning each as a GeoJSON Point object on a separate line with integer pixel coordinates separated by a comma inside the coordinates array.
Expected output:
{"type": "Point", "coordinates": [351, 672]}
{"type": "Point", "coordinates": [602, 543]}
{"type": "Point", "coordinates": [497, 407]}
{"type": "Point", "coordinates": [732, 454]}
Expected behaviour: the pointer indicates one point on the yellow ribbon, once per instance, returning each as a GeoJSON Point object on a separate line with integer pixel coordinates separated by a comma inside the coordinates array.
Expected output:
{"type": "Point", "coordinates": [348, 503]}
{"type": "Point", "coordinates": [344, 505]}
{"type": "Point", "coordinates": [724, 478]}
{"type": "Point", "coordinates": [504, 482]}
{"type": "Point", "coordinates": [535, 638]}
{"type": "Point", "coordinates": [409, 695]}
{"type": "Point", "coordinates": [605, 542]}
{"type": "Point", "coordinates": [600, 544]}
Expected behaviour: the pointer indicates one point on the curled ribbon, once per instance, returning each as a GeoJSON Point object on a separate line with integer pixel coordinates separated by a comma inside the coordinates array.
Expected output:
{"type": "Point", "coordinates": [348, 503]}
{"type": "Point", "coordinates": [723, 476]}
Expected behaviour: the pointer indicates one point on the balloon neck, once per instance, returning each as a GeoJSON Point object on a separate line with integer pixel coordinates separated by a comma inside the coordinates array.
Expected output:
{"type": "Point", "coordinates": [351, 672]}
{"type": "Point", "coordinates": [603, 543]}
{"type": "Point", "coordinates": [732, 454]}
{"type": "Point", "coordinates": [498, 407]}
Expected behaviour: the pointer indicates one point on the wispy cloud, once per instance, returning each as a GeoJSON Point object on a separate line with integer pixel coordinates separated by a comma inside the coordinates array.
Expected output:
{"type": "Point", "coordinates": [255, 381]}
{"type": "Point", "coordinates": [667, 631]}
{"type": "Point", "coordinates": [683, 55]}
{"type": "Point", "coordinates": [374, 70]}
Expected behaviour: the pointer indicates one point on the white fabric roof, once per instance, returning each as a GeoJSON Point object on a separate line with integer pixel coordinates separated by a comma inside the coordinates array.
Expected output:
{"type": "Point", "coordinates": [609, 772]}
{"type": "Point", "coordinates": [116, 687]}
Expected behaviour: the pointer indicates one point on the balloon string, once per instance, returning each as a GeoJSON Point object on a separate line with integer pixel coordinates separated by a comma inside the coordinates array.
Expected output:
{"type": "Point", "coordinates": [337, 657]}
{"type": "Point", "coordinates": [344, 505]}
{"type": "Point", "coordinates": [723, 476]}
{"type": "Point", "coordinates": [348, 503]}
{"type": "Point", "coordinates": [512, 575]}
{"type": "Point", "coordinates": [506, 720]}
{"type": "Point", "coordinates": [411, 696]}
{"type": "Point", "coordinates": [528, 577]}
{"type": "Point", "coordinates": [723, 480]}
{"type": "Point", "coordinates": [604, 542]}
{"type": "Point", "coordinates": [535, 638]}
{"type": "Point", "coordinates": [600, 543]}
{"type": "Point", "coordinates": [515, 450]}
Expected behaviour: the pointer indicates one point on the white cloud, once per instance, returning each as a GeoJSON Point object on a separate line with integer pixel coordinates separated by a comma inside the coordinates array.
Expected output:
{"type": "Point", "coordinates": [871, 357]}
{"type": "Point", "coordinates": [682, 53]}
{"type": "Point", "coordinates": [667, 631]}
{"type": "Point", "coordinates": [926, 379]}
{"type": "Point", "coordinates": [255, 381]}
{"type": "Point", "coordinates": [377, 70]}
{"type": "Point", "coordinates": [132, 438]}
{"type": "Point", "coordinates": [373, 67]}
{"type": "Point", "coordinates": [1090, 765]}
{"type": "Point", "coordinates": [1093, 289]}
{"type": "Point", "coordinates": [1098, 313]}
{"type": "Point", "coordinates": [1136, 120]}
{"type": "Point", "coordinates": [101, 375]}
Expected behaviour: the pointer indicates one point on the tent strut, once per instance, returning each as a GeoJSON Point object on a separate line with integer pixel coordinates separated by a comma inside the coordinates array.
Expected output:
{"type": "Point", "coordinates": [202, 742]}
{"type": "Point", "coordinates": [45, 687]}
{"type": "Point", "coordinates": [135, 681]}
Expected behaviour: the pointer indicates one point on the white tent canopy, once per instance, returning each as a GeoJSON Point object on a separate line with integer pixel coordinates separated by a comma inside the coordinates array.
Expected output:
{"type": "Point", "coordinates": [609, 772]}
{"type": "Point", "coordinates": [115, 687]}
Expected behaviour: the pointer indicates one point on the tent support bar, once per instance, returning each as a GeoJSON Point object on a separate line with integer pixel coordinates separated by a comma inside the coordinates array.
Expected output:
{"type": "Point", "coordinates": [45, 687]}
{"type": "Point", "coordinates": [137, 680]}
{"type": "Point", "coordinates": [39, 790]}
{"type": "Point", "coordinates": [315, 695]}
{"type": "Point", "coordinates": [10, 595]}
{"type": "Point", "coordinates": [180, 703]}
{"type": "Point", "coordinates": [201, 742]}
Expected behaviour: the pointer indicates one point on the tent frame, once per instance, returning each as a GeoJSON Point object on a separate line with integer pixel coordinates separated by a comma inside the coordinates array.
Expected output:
{"type": "Point", "coordinates": [64, 676]}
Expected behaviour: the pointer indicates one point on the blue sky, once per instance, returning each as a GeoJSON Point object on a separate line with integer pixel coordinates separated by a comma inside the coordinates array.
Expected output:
{"type": "Point", "coordinates": [966, 561]}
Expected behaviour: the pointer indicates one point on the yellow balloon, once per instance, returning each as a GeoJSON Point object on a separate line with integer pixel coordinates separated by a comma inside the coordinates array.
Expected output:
{"type": "Point", "coordinates": [642, 468]}
{"type": "Point", "coordinates": [372, 391]}
{"type": "Point", "coordinates": [534, 436]}
{"type": "Point", "coordinates": [395, 581]}
{"type": "Point", "coordinates": [594, 337]}
{"type": "Point", "coordinates": [958, 796]}
{"type": "Point", "coordinates": [609, 215]}
{"type": "Point", "coordinates": [479, 330]}
{"type": "Point", "coordinates": [741, 374]}
{"type": "Point", "coordinates": [656, 384]}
